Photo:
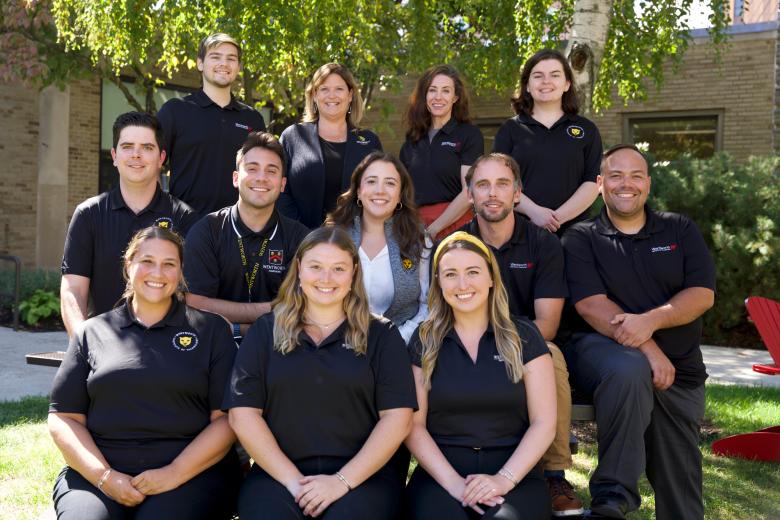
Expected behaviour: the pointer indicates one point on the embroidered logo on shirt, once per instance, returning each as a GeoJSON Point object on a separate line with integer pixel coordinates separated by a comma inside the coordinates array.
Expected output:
{"type": "Point", "coordinates": [245, 127]}
{"type": "Point", "coordinates": [407, 264]}
{"type": "Point", "coordinates": [526, 265]}
{"type": "Point", "coordinates": [276, 256]}
{"type": "Point", "coordinates": [164, 222]}
{"type": "Point", "coordinates": [362, 140]}
{"type": "Point", "coordinates": [575, 131]}
{"type": "Point", "coordinates": [498, 357]}
{"type": "Point", "coordinates": [185, 341]}
{"type": "Point", "coordinates": [663, 249]}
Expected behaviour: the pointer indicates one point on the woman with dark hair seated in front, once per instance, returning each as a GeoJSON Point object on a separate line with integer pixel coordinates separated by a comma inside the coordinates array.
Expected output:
{"type": "Point", "coordinates": [321, 394]}
{"type": "Point", "coordinates": [379, 212]}
{"type": "Point", "coordinates": [135, 406]}
{"type": "Point", "coordinates": [324, 148]}
{"type": "Point", "coordinates": [486, 395]}
{"type": "Point", "coordinates": [441, 144]}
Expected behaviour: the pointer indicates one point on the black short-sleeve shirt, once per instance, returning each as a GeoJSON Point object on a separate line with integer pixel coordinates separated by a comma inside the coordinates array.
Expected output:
{"type": "Point", "coordinates": [146, 392]}
{"type": "Point", "coordinates": [531, 264]}
{"type": "Point", "coordinates": [213, 266]}
{"type": "Point", "coordinates": [555, 161]}
{"type": "Point", "coordinates": [201, 140]}
{"type": "Point", "coordinates": [641, 272]}
{"type": "Point", "coordinates": [322, 401]}
{"type": "Point", "coordinates": [435, 165]}
{"type": "Point", "coordinates": [98, 235]}
{"type": "Point", "coordinates": [476, 405]}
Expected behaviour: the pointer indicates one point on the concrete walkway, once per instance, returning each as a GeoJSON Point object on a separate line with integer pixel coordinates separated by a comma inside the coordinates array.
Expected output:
{"type": "Point", "coordinates": [18, 379]}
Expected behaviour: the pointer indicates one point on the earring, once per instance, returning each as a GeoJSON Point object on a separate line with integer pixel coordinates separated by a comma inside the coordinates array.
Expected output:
{"type": "Point", "coordinates": [399, 206]}
{"type": "Point", "coordinates": [359, 203]}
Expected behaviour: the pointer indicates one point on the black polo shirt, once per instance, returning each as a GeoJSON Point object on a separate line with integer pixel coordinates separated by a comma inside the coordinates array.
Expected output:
{"type": "Point", "coordinates": [146, 392]}
{"type": "Point", "coordinates": [641, 272]}
{"type": "Point", "coordinates": [213, 266]}
{"type": "Point", "coordinates": [98, 235]}
{"type": "Point", "coordinates": [555, 161]}
{"type": "Point", "coordinates": [531, 264]}
{"type": "Point", "coordinates": [435, 165]}
{"type": "Point", "coordinates": [201, 140]}
{"type": "Point", "coordinates": [322, 401]}
{"type": "Point", "coordinates": [476, 405]}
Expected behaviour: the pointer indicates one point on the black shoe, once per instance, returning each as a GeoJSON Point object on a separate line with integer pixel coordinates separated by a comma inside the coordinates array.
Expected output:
{"type": "Point", "coordinates": [611, 506]}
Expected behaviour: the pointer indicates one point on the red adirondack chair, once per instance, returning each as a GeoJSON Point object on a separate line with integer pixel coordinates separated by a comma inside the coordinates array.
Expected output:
{"type": "Point", "coordinates": [763, 444]}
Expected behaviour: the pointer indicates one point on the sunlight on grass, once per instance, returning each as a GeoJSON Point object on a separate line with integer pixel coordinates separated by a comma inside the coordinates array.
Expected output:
{"type": "Point", "coordinates": [733, 489]}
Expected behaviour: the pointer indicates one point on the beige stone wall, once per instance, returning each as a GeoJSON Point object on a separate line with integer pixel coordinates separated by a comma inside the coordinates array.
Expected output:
{"type": "Point", "coordinates": [742, 87]}
{"type": "Point", "coordinates": [18, 171]}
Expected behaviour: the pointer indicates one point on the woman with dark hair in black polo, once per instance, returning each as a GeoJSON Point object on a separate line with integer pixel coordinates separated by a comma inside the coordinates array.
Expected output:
{"type": "Point", "coordinates": [135, 406]}
{"type": "Point", "coordinates": [441, 144]}
{"type": "Point", "coordinates": [379, 212]}
{"type": "Point", "coordinates": [486, 395]}
{"type": "Point", "coordinates": [559, 152]}
{"type": "Point", "coordinates": [321, 394]}
{"type": "Point", "coordinates": [324, 148]}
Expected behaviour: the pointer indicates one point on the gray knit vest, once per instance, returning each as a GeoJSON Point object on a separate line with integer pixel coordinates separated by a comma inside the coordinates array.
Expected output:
{"type": "Point", "coordinates": [406, 277]}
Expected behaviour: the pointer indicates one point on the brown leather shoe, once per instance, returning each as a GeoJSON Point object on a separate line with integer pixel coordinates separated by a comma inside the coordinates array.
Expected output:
{"type": "Point", "coordinates": [564, 501]}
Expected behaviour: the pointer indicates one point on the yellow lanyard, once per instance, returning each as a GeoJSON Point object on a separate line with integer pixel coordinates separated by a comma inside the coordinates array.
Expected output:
{"type": "Point", "coordinates": [250, 279]}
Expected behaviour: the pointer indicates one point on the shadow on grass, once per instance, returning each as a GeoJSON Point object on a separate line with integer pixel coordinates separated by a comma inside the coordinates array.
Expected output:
{"type": "Point", "coordinates": [26, 410]}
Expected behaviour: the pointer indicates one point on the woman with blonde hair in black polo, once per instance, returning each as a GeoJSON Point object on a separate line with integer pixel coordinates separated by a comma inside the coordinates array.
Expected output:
{"type": "Point", "coordinates": [486, 396]}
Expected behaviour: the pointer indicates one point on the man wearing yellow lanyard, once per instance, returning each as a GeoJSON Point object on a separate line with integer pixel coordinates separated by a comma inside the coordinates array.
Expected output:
{"type": "Point", "coordinates": [236, 258]}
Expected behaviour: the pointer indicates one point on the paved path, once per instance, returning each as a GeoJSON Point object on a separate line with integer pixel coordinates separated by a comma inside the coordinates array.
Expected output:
{"type": "Point", "coordinates": [18, 379]}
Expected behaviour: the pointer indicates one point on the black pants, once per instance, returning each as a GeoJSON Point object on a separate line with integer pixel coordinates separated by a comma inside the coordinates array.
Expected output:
{"type": "Point", "coordinates": [377, 498]}
{"type": "Point", "coordinates": [426, 499]}
{"type": "Point", "coordinates": [209, 495]}
{"type": "Point", "coordinates": [639, 428]}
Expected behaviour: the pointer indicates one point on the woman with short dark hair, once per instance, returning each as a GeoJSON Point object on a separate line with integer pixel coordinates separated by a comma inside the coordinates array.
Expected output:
{"type": "Point", "coordinates": [135, 406]}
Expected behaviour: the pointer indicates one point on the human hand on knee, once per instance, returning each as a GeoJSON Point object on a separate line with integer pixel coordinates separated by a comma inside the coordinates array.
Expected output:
{"type": "Point", "coordinates": [119, 488]}
{"type": "Point", "coordinates": [633, 329]}
{"type": "Point", "coordinates": [662, 369]}
{"type": "Point", "coordinates": [318, 492]}
{"type": "Point", "coordinates": [156, 481]}
{"type": "Point", "coordinates": [485, 489]}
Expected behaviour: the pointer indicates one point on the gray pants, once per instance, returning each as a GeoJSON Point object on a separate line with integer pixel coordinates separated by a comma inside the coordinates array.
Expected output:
{"type": "Point", "coordinates": [639, 428]}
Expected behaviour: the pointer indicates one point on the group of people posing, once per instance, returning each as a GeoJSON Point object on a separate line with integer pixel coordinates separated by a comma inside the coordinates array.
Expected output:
{"type": "Point", "coordinates": [334, 310]}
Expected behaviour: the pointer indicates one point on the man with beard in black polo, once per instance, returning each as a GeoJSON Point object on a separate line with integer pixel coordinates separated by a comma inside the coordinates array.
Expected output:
{"type": "Point", "coordinates": [641, 280]}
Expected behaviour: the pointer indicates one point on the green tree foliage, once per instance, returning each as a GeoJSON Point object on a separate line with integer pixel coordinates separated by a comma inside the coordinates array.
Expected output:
{"type": "Point", "coordinates": [380, 40]}
{"type": "Point", "coordinates": [737, 208]}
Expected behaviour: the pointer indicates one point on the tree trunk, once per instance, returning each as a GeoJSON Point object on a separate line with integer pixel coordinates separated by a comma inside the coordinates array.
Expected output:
{"type": "Point", "coordinates": [587, 38]}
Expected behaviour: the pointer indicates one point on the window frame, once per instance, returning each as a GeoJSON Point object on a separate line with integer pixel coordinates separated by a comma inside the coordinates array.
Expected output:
{"type": "Point", "coordinates": [629, 117]}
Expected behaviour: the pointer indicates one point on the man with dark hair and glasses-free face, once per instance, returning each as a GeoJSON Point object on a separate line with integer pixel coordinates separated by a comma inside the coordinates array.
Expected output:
{"type": "Point", "coordinates": [102, 226]}
{"type": "Point", "coordinates": [238, 256]}
{"type": "Point", "coordinates": [204, 130]}
{"type": "Point", "coordinates": [640, 280]}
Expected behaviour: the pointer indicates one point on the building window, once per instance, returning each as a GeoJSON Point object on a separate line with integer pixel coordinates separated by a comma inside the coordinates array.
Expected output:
{"type": "Point", "coordinates": [489, 127]}
{"type": "Point", "coordinates": [670, 135]}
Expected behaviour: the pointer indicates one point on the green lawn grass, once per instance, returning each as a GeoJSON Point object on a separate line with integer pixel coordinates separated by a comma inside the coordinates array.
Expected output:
{"type": "Point", "coordinates": [733, 489]}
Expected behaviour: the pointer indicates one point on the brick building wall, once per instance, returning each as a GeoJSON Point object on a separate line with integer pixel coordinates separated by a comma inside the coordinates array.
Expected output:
{"type": "Point", "coordinates": [18, 170]}
{"type": "Point", "coordinates": [742, 87]}
{"type": "Point", "coordinates": [84, 145]}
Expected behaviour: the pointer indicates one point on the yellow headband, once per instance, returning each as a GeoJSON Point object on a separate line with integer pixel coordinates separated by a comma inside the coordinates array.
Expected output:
{"type": "Point", "coordinates": [458, 236]}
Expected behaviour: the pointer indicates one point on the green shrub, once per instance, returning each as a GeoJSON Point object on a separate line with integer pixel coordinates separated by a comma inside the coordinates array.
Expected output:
{"type": "Point", "coordinates": [31, 281]}
{"type": "Point", "coordinates": [737, 209]}
{"type": "Point", "coordinates": [42, 304]}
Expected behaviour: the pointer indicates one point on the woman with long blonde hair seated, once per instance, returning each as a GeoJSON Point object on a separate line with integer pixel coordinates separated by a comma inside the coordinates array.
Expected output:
{"type": "Point", "coordinates": [486, 395]}
{"type": "Point", "coordinates": [321, 394]}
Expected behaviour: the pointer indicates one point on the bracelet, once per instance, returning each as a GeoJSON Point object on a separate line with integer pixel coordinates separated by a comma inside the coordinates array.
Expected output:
{"type": "Point", "coordinates": [343, 480]}
{"type": "Point", "coordinates": [103, 479]}
{"type": "Point", "coordinates": [504, 472]}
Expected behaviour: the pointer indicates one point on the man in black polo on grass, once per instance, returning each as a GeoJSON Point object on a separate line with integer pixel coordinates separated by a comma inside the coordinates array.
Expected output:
{"type": "Point", "coordinates": [641, 281]}
{"type": "Point", "coordinates": [531, 263]}
{"type": "Point", "coordinates": [102, 226]}
{"type": "Point", "coordinates": [237, 257]}
{"type": "Point", "coordinates": [204, 130]}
